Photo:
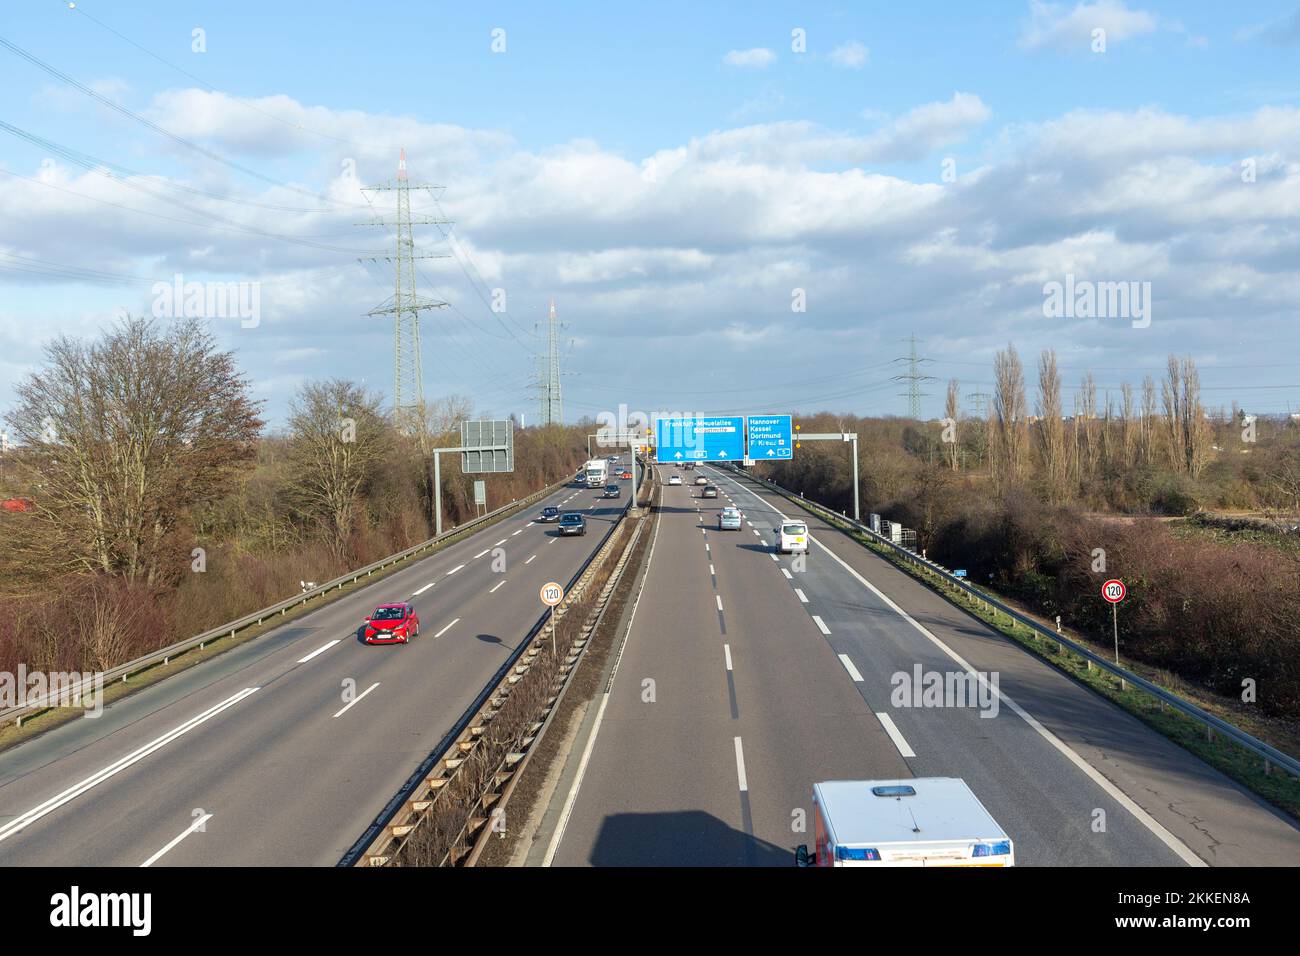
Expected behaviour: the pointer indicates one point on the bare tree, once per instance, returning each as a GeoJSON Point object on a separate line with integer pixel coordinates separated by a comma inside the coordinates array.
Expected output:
{"type": "Point", "coordinates": [952, 411]}
{"type": "Point", "coordinates": [1051, 426]}
{"type": "Point", "coordinates": [1128, 433]}
{"type": "Point", "coordinates": [124, 438]}
{"type": "Point", "coordinates": [1146, 430]}
{"type": "Point", "coordinates": [1009, 414]}
{"type": "Point", "coordinates": [338, 440]}
{"type": "Point", "coordinates": [1186, 428]}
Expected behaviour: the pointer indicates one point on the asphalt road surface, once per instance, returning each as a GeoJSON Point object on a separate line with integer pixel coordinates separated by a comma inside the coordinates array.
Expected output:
{"type": "Point", "coordinates": [748, 676]}
{"type": "Point", "coordinates": [255, 757]}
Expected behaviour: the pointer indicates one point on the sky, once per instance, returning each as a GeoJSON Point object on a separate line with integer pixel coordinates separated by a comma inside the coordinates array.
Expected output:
{"type": "Point", "coordinates": [736, 207]}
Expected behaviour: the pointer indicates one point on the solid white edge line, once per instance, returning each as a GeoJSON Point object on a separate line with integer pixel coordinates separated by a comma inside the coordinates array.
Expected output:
{"type": "Point", "coordinates": [420, 591]}
{"type": "Point", "coordinates": [1119, 796]}
{"type": "Point", "coordinates": [22, 821]}
{"type": "Point", "coordinates": [853, 671]}
{"type": "Point", "coordinates": [184, 833]}
{"type": "Point", "coordinates": [895, 735]}
{"type": "Point", "coordinates": [740, 767]}
{"type": "Point", "coordinates": [319, 650]}
{"type": "Point", "coordinates": [448, 627]}
{"type": "Point", "coordinates": [356, 699]}
{"type": "Point", "coordinates": [553, 847]}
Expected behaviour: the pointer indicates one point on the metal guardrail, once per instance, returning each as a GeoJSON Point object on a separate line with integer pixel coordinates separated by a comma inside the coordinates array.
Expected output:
{"type": "Point", "coordinates": [76, 690]}
{"type": "Point", "coordinates": [363, 851]}
{"type": "Point", "coordinates": [1270, 754]}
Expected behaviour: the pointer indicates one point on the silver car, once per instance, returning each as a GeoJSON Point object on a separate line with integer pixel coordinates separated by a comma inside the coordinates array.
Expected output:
{"type": "Point", "coordinates": [729, 519]}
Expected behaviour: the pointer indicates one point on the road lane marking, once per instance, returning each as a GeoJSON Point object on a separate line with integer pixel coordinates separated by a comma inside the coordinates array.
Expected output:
{"type": "Point", "coordinates": [786, 572]}
{"type": "Point", "coordinates": [802, 597]}
{"type": "Point", "coordinates": [821, 624]}
{"type": "Point", "coordinates": [499, 543]}
{"type": "Point", "coordinates": [356, 699]}
{"type": "Point", "coordinates": [420, 591]}
{"type": "Point", "coordinates": [451, 625]}
{"type": "Point", "coordinates": [894, 735]}
{"type": "Point", "coordinates": [740, 767]}
{"type": "Point", "coordinates": [848, 666]}
{"type": "Point", "coordinates": [530, 524]}
{"type": "Point", "coordinates": [24, 820]}
{"type": "Point", "coordinates": [454, 570]}
{"type": "Point", "coordinates": [530, 560]}
{"type": "Point", "coordinates": [320, 650]}
{"type": "Point", "coordinates": [712, 572]}
{"type": "Point", "coordinates": [726, 650]}
{"type": "Point", "coordinates": [1119, 796]}
{"type": "Point", "coordinates": [480, 554]}
{"type": "Point", "coordinates": [719, 600]}
{"type": "Point", "coordinates": [775, 558]}
{"type": "Point", "coordinates": [196, 825]}
{"type": "Point", "coordinates": [513, 533]}
{"type": "Point", "coordinates": [497, 586]}
{"type": "Point", "coordinates": [572, 798]}
{"type": "Point", "coordinates": [706, 547]}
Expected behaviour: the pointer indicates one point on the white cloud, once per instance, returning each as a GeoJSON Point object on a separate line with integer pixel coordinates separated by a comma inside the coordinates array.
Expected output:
{"type": "Point", "coordinates": [851, 56]}
{"type": "Point", "coordinates": [758, 58]}
{"type": "Point", "coordinates": [1055, 25]}
{"type": "Point", "coordinates": [687, 256]}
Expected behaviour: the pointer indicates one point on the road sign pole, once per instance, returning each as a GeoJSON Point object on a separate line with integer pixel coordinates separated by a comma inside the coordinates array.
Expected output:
{"type": "Point", "coordinates": [554, 653]}
{"type": "Point", "coordinates": [857, 514]}
{"type": "Point", "coordinates": [1114, 616]}
{"type": "Point", "coordinates": [437, 496]}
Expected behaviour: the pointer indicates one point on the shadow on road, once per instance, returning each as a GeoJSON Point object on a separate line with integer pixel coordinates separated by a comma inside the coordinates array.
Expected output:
{"type": "Point", "coordinates": [688, 838]}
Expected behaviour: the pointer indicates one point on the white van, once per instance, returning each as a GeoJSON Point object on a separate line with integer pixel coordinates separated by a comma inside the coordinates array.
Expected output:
{"type": "Point", "coordinates": [926, 821]}
{"type": "Point", "coordinates": [791, 536]}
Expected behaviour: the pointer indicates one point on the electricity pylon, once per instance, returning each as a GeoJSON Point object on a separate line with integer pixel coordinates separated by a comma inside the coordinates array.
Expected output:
{"type": "Point", "coordinates": [405, 305]}
{"type": "Point", "coordinates": [550, 401]}
{"type": "Point", "coordinates": [914, 378]}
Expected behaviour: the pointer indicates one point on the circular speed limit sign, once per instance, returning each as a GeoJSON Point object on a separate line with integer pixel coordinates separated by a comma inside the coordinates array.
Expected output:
{"type": "Point", "coordinates": [1114, 590]}
{"type": "Point", "coordinates": [552, 594]}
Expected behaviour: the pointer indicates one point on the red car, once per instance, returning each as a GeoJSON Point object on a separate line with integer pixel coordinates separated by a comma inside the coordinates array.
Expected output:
{"type": "Point", "coordinates": [392, 624]}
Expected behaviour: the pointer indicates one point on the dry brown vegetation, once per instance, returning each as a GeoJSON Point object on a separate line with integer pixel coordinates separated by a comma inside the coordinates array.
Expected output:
{"type": "Point", "coordinates": [161, 508]}
{"type": "Point", "coordinates": [1027, 508]}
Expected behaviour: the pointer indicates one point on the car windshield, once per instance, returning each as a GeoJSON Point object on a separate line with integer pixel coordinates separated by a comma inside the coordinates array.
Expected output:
{"type": "Point", "coordinates": [388, 614]}
{"type": "Point", "coordinates": [550, 510]}
{"type": "Point", "coordinates": [571, 519]}
{"type": "Point", "coordinates": [794, 529]}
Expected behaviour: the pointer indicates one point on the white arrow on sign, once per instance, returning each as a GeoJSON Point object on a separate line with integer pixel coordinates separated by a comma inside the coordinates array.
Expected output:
{"type": "Point", "coordinates": [679, 455]}
{"type": "Point", "coordinates": [770, 452]}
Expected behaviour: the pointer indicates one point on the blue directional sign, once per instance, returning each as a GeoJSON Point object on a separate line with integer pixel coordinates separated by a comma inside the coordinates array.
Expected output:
{"type": "Point", "coordinates": [769, 437]}
{"type": "Point", "coordinates": [699, 439]}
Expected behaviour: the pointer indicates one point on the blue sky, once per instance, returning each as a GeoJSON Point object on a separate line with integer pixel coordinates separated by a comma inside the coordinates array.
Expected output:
{"type": "Point", "coordinates": [670, 175]}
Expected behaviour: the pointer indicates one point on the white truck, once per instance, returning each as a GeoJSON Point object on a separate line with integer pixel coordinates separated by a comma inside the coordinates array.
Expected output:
{"type": "Point", "coordinates": [925, 821]}
{"type": "Point", "coordinates": [597, 473]}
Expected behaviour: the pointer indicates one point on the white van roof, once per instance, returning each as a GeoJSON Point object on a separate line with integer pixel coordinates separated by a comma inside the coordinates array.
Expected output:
{"type": "Point", "coordinates": [942, 809]}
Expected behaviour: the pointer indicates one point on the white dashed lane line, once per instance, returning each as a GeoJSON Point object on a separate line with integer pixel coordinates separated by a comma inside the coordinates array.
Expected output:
{"type": "Point", "coordinates": [786, 572]}
{"type": "Point", "coordinates": [454, 570]}
{"type": "Point", "coordinates": [802, 597]}
{"type": "Point", "coordinates": [319, 650]}
{"type": "Point", "coordinates": [894, 735]}
{"type": "Point", "coordinates": [420, 591]}
{"type": "Point", "coordinates": [848, 666]}
{"type": "Point", "coordinates": [821, 625]}
{"type": "Point", "coordinates": [447, 628]}
{"type": "Point", "coordinates": [481, 553]}
{"type": "Point", "coordinates": [356, 700]}
{"type": "Point", "coordinates": [495, 587]}
{"type": "Point", "coordinates": [530, 560]}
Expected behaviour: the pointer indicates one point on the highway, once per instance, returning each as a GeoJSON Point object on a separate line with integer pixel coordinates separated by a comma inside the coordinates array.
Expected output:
{"type": "Point", "coordinates": [255, 757]}
{"type": "Point", "coordinates": [745, 679]}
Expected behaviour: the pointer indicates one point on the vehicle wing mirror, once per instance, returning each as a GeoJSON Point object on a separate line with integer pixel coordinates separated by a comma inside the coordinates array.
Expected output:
{"type": "Point", "coordinates": [801, 855]}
